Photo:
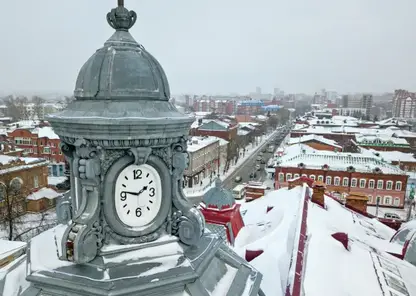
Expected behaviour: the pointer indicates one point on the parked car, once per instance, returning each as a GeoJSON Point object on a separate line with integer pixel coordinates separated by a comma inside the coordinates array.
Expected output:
{"type": "Point", "coordinates": [258, 167]}
{"type": "Point", "coordinates": [262, 161]}
{"type": "Point", "coordinates": [253, 175]}
{"type": "Point", "coordinates": [392, 216]}
{"type": "Point", "coordinates": [238, 179]}
{"type": "Point", "coordinates": [259, 158]}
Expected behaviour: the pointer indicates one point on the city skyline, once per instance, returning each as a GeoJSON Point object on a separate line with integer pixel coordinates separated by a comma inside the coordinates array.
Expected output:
{"type": "Point", "coordinates": [224, 48]}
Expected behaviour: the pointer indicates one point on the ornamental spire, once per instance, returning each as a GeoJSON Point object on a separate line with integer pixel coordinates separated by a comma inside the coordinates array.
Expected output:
{"type": "Point", "coordinates": [120, 18]}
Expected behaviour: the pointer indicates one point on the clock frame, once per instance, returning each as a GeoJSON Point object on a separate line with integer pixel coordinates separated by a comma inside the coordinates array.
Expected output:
{"type": "Point", "coordinates": [109, 206]}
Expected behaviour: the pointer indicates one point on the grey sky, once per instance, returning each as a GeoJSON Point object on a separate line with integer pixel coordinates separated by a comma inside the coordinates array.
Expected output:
{"type": "Point", "coordinates": [219, 46]}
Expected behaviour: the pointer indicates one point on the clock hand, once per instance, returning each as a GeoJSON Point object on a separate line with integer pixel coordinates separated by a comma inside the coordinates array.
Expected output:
{"type": "Point", "coordinates": [141, 191]}
{"type": "Point", "coordinates": [132, 193]}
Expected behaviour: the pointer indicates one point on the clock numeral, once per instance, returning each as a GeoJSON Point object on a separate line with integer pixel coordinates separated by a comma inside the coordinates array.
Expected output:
{"type": "Point", "coordinates": [137, 174]}
{"type": "Point", "coordinates": [152, 192]}
{"type": "Point", "coordinates": [138, 212]}
{"type": "Point", "coordinates": [123, 196]}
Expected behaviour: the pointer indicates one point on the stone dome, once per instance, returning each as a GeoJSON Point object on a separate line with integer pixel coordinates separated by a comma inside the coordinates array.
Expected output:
{"type": "Point", "coordinates": [122, 69]}
{"type": "Point", "coordinates": [218, 197]}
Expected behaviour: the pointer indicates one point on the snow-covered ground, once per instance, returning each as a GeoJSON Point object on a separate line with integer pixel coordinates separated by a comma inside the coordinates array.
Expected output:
{"type": "Point", "coordinates": [207, 183]}
{"type": "Point", "coordinates": [29, 225]}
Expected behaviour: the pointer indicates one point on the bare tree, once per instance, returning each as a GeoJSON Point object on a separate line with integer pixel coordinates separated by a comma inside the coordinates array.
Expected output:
{"type": "Point", "coordinates": [13, 218]}
{"type": "Point", "coordinates": [12, 195]}
{"type": "Point", "coordinates": [11, 108]}
{"type": "Point", "coordinates": [21, 104]}
{"type": "Point", "coordinates": [38, 107]}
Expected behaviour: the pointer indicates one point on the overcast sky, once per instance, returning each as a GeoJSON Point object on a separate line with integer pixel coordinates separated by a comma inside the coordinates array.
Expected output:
{"type": "Point", "coordinates": [219, 46]}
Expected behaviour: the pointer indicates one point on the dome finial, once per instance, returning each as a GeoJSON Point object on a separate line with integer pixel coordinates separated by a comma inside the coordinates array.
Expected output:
{"type": "Point", "coordinates": [121, 18]}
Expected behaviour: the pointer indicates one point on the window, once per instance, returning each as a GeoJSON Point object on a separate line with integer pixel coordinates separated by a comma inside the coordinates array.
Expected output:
{"type": "Point", "coordinates": [387, 200]}
{"type": "Point", "coordinates": [321, 178]}
{"type": "Point", "coordinates": [288, 177]}
{"type": "Point", "coordinates": [397, 201]}
{"type": "Point", "coordinates": [304, 175]}
{"type": "Point", "coordinates": [345, 182]}
{"type": "Point", "coordinates": [337, 181]}
{"type": "Point", "coordinates": [296, 176]}
{"type": "Point", "coordinates": [378, 200]}
{"type": "Point", "coordinates": [281, 177]}
{"type": "Point", "coordinates": [353, 182]}
{"type": "Point", "coordinates": [370, 199]}
{"type": "Point", "coordinates": [398, 186]}
{"type": "Point", "coordinates": [35, 181]}
{"type": "Point", "coordinates": [362, 183]}
{"type": "Point", "coordinates": [53, 153]}
{"type": "Point", "coordinates": [389, 185]}
{"type": "Point", "coordinates": [371, 184]}
{"type": "Point", "coordinates": [46, 150]}
{"type": "Point", "coordinates": [328, 180]}
{"type": "Point", "coordinates": [60, 152]}
{"type": "Point", "coordinates": [23, 141]}
{"type": "Point", "coordinates": [312, 177]}
{"type": "Point", "coordinates": [380, 184]}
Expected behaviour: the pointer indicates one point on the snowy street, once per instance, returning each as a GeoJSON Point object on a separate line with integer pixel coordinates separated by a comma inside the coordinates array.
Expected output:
{"type": "Point", "coordinates": [243, 168]}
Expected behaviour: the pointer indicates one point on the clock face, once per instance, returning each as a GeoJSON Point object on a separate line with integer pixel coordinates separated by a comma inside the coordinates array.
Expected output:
{"type": "Point", "coordinates": [138, 195]}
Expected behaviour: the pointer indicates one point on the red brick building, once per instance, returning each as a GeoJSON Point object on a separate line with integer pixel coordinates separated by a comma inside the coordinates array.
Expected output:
{"type": "Point", "coordinates": [40, 142]}
{"type": "Point", "coordinates": [344, 173]}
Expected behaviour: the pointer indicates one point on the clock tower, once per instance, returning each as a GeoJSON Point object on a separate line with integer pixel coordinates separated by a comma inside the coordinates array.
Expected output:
{"type": "Point", "coordinates": [132, 230]}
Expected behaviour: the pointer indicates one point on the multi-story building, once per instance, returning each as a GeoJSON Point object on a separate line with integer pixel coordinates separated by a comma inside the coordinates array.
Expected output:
{"type": "Point", "coordinates": [382, 143]}
{"type": "Point", "coordinates": [404, 104]}
{"type": "Point", "coordinates": [18, 178]}
{"type": "Point", "coordinates": [344, 173]}
{"type": "Point", "coordinates": [367, 103]}
{"type": "Point", "coordinates": [40, 142]}
{"type": "Point", "coordinates": [204, 156]}
{"type": "Point", "coordinates": [220, 129]}
{"type": "Point", "coordinates": [250, 107]}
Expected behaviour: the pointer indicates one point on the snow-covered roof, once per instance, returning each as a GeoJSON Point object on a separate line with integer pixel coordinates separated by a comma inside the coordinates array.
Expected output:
{"type": "Point", "coordinates": [250, 125]}
{"type": "Point", "coordinates": [389, 156]}
{"type": "Point", "coordinates": [284, 220]}
{"type": "Point", "coordinates": [197, 143]}
{"type": "Point", "coordinates": [45, 132]}
{"type": "Point", "coordinates": [392, 122]}
{"type": "Point", "coordinates": [45, 192]}
{"type": "Point", "coordinates": [21, 163]}
{"type": "Point", "coordinates": [339, 161]}
{"type": "Point", "coordinates": [312, 137]}
{"type": "Point", "coordinates": [379, 139]}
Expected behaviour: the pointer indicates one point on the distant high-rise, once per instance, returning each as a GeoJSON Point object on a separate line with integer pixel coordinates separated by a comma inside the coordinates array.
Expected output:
{"type": "Point", "coordinates": [404, 104]}
{"type": "Point", "coordinates": [258, 90]}
{"type": "Point", "coordinates": [367, 103]}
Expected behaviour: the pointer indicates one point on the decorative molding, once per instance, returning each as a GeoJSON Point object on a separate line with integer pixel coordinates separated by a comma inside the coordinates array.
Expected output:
{"type": "Point", "coordinates": [141, 154]}
{"type": "Point", "coordinates": [124, 240]}
{"type": "Point", "coordinates": [127, 144]}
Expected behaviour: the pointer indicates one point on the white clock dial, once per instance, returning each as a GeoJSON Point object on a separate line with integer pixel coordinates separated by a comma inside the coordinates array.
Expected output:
{"type": "Point", "coordinates": [138, 195]}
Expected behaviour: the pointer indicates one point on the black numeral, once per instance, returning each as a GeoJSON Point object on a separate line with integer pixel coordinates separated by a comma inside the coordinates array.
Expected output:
{"type": "Point", "coordinates": [123, 196]}
{"type": "Point", "coordinates": [137, 174]}
{"type": "Point", "coordinates": [152, 192]}
{"type": "Point", "coordinates": [138, 212]}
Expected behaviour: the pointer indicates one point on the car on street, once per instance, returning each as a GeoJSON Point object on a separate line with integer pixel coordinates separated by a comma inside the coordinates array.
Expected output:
{"type": "Point", "coordinates": [253, 175]}
{"type": "Point", "coordinates": [262, 161]}
{"type": "Point", "coordinates": [392, 216]}
{"type": "Point", "coordinates": [258, 167]}
{"type": "Point", "coordinates": [259, 158]}
{"type": "Point", "coordinates": [238, 179]}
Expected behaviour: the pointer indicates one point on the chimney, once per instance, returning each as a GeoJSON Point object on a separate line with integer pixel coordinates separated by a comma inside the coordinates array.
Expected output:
{"type": "Point", "coordinates": [318, 195]}
{"type": "Point", "coordinates": [357, 202]}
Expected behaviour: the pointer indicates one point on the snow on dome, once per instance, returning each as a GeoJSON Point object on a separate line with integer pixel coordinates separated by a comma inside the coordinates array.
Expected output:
{"type": "Point", "coordinates": [218, 197]}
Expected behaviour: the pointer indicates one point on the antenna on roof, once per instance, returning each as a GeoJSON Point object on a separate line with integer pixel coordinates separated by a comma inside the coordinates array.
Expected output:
{"type": "Point", "coordinates": [120, 3]}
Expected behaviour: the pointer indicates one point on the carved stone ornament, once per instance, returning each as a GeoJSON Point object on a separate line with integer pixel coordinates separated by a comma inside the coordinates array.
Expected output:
{"type": "Point", "coordinates": [84, 237]}
{"type": "Point", "coordinates": [141, 154]}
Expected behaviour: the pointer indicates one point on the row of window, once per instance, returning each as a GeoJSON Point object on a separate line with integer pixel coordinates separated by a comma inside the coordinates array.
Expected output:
{"type": "Point", "coordinates": [45, 150]}
{"type": "Point", "coordinates": [361, 183]}
{"type": "Point", "coordinates": [386, 201]}
{"type": "Point", "coordinates": [30, 141]}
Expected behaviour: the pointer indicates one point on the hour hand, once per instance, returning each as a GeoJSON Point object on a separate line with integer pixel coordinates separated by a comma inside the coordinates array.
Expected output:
{"type": "Point", "coordinates": [141, 191]}
{"type": "Point", "coordinates": [132, 193]}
